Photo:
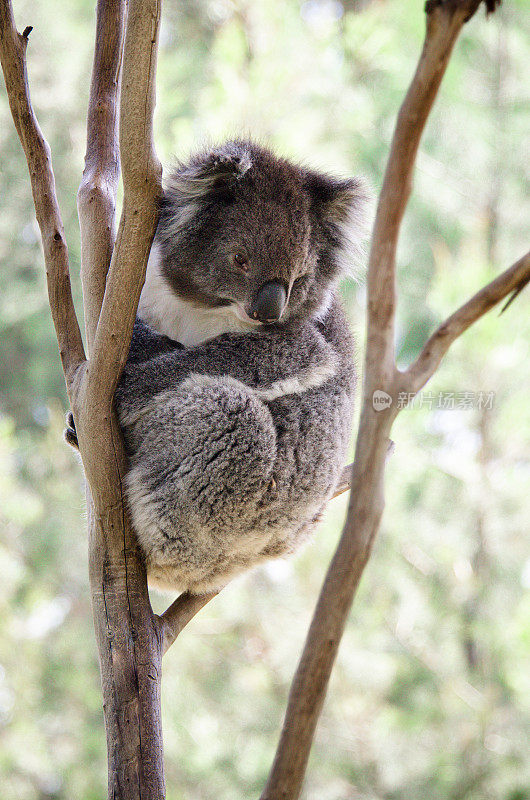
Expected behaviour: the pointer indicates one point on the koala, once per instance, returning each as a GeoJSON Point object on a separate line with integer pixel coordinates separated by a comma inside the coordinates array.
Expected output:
{"type": "Point", "coordinates": [236, 400]}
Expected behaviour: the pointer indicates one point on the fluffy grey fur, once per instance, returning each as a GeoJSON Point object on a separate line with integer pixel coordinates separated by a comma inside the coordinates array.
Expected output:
{"type": "Point", "coordinates": [237, 440]}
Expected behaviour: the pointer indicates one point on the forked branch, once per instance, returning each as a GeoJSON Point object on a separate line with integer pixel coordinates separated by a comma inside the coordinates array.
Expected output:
{"type": "Point", "coordinates": [13, 47]}
{"type": "Point", "coordinates": [142, 174]}
{"type": "Point", "coordinates": [179, 613]}
{"type": "Point", "coordinates": [444, 22]}
{"type": "Point", "coordinates": [96, 198]}
{"type": "Point", "coordinates": [128, 636]}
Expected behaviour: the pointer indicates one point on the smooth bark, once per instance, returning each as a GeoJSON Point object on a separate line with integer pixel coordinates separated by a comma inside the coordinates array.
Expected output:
{"type": "Point", "coordinates": [96, 198]}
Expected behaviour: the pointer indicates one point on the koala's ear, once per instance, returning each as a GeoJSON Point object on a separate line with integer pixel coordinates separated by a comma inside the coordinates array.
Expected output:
{"type": "Point", "coordinates": [212, 172]}
{"type": "Point", "coordinates": [341, 207]}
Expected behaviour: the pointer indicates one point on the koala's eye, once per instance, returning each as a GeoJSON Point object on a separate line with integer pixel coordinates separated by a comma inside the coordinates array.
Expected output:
{"type": "Point", "coordinates": [241, 261]}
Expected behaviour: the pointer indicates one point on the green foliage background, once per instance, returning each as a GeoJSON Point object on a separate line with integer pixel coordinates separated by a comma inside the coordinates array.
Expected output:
{"type": "Point", "coordinates": [431, 694]}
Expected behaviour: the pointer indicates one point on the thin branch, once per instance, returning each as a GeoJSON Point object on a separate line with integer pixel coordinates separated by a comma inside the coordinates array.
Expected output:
{"type": "Point", "coordinates": [179, 613]}
{"type": "Point", "coordinates": [512, 280]}
{"type": "Point", "coordinates": [96, 198]}
{"type": "Point", "coordinates": [514, 295]}
{"type": "Point", "coordinates": [142, 174]}
{"type": "Point", "coordinates": [444, 21]}
{"type": "Point", "coordinates": [13, 57]}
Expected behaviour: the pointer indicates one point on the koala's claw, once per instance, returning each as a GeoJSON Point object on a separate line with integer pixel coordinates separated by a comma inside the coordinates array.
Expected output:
{"type": "Point", "coordinates": [70, 433]}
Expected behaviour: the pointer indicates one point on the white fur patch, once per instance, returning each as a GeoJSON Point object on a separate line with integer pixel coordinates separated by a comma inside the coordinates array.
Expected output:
{"type": "Point", "coordinates": [298, 384]}
{"type": "Point", "coordinates": [180, 319]}
{"type": "Point", "coordinates": [181, 218]}
{"type": "Point", "coordinates": [354, 226]}
{"type": "Point", "coordinates": [324, 308]}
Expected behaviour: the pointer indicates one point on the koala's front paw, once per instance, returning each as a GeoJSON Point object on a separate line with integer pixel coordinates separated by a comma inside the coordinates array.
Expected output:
{"type": "Point", "coordinates": [70, 433]}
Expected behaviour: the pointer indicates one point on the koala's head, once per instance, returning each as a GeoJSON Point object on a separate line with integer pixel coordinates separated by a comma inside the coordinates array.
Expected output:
{"type": "Point", "coordinates": [240, 227]}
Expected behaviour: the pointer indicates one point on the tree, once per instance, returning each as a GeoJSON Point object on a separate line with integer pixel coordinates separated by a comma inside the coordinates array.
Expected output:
{"type": "Point", "coordinates": [131, 638]}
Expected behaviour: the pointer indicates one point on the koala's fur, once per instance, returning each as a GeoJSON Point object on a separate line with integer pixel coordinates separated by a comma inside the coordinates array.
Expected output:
{"type": "Point", "coordinates": [237, 438]}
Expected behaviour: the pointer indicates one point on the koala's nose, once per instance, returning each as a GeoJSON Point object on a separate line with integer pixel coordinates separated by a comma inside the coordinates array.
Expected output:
{"type": "Point", "coordinates": [269, 302]}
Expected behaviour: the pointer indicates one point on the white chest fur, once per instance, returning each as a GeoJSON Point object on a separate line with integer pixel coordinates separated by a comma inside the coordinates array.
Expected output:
{"type": "Point", "coordinates": [179, 319]}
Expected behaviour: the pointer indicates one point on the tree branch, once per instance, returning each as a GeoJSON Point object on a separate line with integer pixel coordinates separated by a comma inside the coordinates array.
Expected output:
{"type": "Point", "coordinates": [13, 57]}
{"type": "Point", "coordinates": [512, 280]}
{"type": "Point", "coordinates": [444, 21]}
{"type": "Point", "coordinates": [142, 174]}
{"type": "Point", "coordinates": [96, 198]}
{"type": "Point", "coordinates": [179, 613]}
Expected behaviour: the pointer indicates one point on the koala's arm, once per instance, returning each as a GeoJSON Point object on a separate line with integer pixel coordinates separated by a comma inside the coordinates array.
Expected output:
{"type": "Point", "coordinates": [256, 359]}
{"type": "Point", "coordinates": [147, 343]}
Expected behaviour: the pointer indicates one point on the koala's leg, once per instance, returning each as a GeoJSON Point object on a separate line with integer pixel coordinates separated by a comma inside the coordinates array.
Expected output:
{"type": "Point", "coordinates": [204, 464]}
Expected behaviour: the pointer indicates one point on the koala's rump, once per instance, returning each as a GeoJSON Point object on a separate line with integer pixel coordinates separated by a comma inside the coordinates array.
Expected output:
{"type": "Point", "coordinates": [222, 480]}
